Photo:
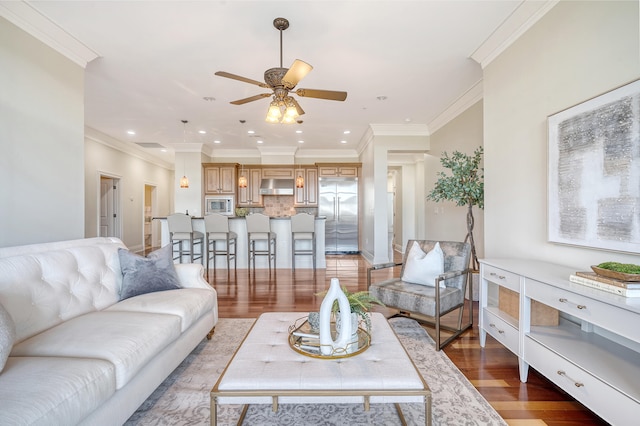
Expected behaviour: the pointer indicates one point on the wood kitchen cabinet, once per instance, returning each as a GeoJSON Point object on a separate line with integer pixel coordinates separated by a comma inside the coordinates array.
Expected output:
{"type": "Point", "coordinates": [220, 179]}
{"type": "Point", "coordinates": [277, 172]}
{"type": "Point", "coordinates": [250, 196]}
{"type": "Point", "coordinates": [338, 170]}
{"type": "Point", "coordinates": [308, 195]}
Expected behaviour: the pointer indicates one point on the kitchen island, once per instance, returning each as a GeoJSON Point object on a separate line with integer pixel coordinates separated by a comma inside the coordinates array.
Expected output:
{"type": "Point", "coordinates": [280, 225]}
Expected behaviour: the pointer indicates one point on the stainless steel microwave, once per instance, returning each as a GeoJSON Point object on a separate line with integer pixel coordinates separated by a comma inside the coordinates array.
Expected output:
{"type": "Point", "coordinates": [222, 204]}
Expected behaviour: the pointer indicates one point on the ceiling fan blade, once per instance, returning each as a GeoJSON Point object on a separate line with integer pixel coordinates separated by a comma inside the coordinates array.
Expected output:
{"type": "Point", "coordinates": [240, 78]}
{"type": "Point", "coordinates": [251, 99]}
{"type": "Point", "coordinates": [297, 72]}
{"type": "Point", "coordinates": [298, 107]}
{"type": "Point", "coordinates": [322, 94]}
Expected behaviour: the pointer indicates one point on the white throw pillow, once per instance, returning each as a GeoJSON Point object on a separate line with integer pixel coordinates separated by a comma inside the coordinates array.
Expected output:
{"type": "Point", "coordinates": [7, 335]}
{"type": "Point", "coordinates": [423, 268]}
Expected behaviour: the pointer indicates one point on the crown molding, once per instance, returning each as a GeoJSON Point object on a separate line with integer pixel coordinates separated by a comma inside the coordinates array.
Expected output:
{"type": "Point", "coordinates": [30, 20]}
{"type": "Point", "coordinates": [460, 105]}
{"type": "Point", "coordinates": [522, 19]}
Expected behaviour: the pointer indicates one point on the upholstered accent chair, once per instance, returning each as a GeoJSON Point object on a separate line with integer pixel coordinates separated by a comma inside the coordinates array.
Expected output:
{"type": "Point", "coordinates": [434, 297]}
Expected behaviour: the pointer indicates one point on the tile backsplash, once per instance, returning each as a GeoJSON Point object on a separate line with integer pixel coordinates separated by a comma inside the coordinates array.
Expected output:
{"type": "Point", "coordinates": [278, 205]}
{"type": "Point", "coordinates": [282, 206]}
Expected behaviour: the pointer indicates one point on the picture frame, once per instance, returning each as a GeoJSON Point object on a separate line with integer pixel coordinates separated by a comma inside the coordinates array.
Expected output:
{"type": "Point", "coordinates": [594, 172]}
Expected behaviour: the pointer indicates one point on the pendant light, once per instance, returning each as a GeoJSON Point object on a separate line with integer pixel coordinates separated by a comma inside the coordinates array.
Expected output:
{"type": "Point", "coordinates": [242, 180]}
{"type": "Point", "coordinates": [299, 179]}
{"type": "Point", "coordinates": [184, 180]}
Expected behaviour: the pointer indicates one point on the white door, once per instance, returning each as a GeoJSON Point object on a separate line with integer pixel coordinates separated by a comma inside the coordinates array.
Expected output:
{"type": "Point", "coordinates": [109, 216]}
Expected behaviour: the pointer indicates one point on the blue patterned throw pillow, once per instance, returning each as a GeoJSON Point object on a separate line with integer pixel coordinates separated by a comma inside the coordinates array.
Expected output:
{"type": "Point", "coordinates": [141, 275]}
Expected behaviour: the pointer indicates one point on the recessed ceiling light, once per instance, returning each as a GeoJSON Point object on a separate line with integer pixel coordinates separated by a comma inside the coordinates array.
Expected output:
{"type": "Point", "coordinates": [343, 141]}
{"type": "Point", "coordinates": [298, 131]}
{"type": "Point", "coordinates": [202, 132]}
{"type": "Point", "coordinates": [250, 132]}
{"type": "Point", "coordinates": [346, 132]}
{"type": "Point", "coordinates": [216, 141]}
{"type": "Point", "coordinates": [131, 132]}
{"type": "Point", "coordinates": [407, 120]}
{"type": "Point", "coordinates": [163, 150]}
{"type": "Point", "coordinates": [259, 141]}
{"type": "Point", "coordinates": [300, 141]}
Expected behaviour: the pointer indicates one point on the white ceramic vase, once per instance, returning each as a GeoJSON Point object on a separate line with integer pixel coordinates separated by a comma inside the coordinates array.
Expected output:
{"type": "Point", "coordinates": [328, 346]}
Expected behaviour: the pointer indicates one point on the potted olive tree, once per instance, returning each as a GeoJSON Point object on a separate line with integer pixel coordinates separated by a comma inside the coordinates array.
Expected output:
{"type": "Point", "coordinates": [465, 187]}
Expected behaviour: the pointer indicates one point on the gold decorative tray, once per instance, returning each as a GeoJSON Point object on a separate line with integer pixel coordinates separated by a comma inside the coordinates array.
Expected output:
{"type": "Point", "coordinates": [307, 342]}
{"type": "Point", "coordinates": [615, 275]}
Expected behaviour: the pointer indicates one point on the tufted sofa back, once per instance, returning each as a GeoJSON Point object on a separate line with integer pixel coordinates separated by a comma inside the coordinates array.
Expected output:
{"type": "Point", "coordinates": [42, 285]}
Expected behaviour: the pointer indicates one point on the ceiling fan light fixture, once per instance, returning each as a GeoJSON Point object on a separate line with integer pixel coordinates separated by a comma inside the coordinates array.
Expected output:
{"type": "Point", "coordinates": [287, 119]}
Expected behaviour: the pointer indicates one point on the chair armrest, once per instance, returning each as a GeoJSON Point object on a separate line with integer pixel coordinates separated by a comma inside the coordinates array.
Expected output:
{"type": "Point", "coordinates": [377, 267]}
{"type": "Point", "coordinates": [451, 274]}
{"type": "Point", "coordinates": [191, 275]}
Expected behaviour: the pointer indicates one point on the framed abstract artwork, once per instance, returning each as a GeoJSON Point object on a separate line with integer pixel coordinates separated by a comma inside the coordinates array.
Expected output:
{"type": "Point", "coordinates": [594, 172]}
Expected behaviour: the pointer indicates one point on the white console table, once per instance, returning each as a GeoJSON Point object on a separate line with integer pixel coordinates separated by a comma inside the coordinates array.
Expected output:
{"type": "Point", "coordinates": [594, 351]}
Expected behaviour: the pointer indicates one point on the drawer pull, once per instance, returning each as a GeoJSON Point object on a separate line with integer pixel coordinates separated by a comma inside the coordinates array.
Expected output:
{"type": "Point", "coordinates": [493, 274]}
{"type": "Point", "coordinates": [563, 374]}
{"type": "Point", "coordinates": [563, 300]}
{"type": "Point", "coordinates": [494, 326]}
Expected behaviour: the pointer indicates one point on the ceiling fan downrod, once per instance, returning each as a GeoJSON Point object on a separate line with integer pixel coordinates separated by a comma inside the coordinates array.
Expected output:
{"type": "Point", "coordinates": [281, 24]}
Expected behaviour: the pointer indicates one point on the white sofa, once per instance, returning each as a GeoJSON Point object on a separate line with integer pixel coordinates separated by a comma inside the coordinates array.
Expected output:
{"type": "Point", "coordinates": [80, 355]}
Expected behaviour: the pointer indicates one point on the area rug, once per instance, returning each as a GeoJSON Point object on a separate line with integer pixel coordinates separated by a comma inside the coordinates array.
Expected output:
{"type": "Point", "coordinates": [183, 398]}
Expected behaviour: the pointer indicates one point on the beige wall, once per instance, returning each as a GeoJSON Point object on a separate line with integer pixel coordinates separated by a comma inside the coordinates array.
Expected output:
{"type": "Point", "coordinates": [445, 220]}
{"type": "Point", "coordinates": [134, 172]}
{"type": "Point", "coordinates": [41, 142]}
{"type": "Point", "coordinates": [575, 52]}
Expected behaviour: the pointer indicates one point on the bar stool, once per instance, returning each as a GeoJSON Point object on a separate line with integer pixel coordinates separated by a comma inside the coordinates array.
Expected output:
{"type": "Point", "coordinates": [216, 228]}
{"type": "Point", "coordinates": [180, 232]}
{"type": "Point", "coordinates": [259, 230]}
{"type": "Point", "coordinates": [303, 228]}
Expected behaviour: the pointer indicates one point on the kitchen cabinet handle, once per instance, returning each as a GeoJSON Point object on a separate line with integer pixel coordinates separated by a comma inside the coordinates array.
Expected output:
{"type": "Point", "coordinates": [494, 326]}
{"type": "Point", "coordinates": [564, 300]}
{"type": "Point", "coordinates": [563, 374]}
{"type": "Point", "coordinates": [493, 274]}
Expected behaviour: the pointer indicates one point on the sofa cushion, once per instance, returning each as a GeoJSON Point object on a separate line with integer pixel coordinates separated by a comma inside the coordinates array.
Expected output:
{"type": "Point", "coordinates": [142, 275]}
{"type": "Point", "coordinates": [423, 268]}
{"type": "Point", "coordinates": [187, 303]}
{"type": "Point", "coordinates": [7, 335]}
{"type": "Point", "coordinates": [127, 339]}
{"type": "Point", "coordinates": [53, 391]}
{"type": "Point", "coordinates": [42, 285]}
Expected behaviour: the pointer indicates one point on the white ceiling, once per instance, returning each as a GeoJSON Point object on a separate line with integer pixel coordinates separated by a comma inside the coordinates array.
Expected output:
{"type": "Point", "coordinates": [157, 61]}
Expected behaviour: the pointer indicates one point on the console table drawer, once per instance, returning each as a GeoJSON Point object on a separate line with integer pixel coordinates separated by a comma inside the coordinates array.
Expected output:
{"type": "Point", "coordinates": [620, 321]}
{"type": "Point", "coordinates": [502, 277]}
{"type": "Point", "coordinates": [502, 331]}
{"type": "Point", "coordinates": [615, 407]}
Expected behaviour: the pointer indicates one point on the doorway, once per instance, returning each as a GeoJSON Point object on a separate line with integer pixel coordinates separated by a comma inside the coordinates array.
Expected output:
{"type": "Point", "coordinates": [109, 210]}
{"type": "Point", "coordinates": [150, 233]}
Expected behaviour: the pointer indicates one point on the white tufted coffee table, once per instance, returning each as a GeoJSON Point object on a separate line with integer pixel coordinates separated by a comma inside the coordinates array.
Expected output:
{"type": "Point", "coordinates": [266, 370]}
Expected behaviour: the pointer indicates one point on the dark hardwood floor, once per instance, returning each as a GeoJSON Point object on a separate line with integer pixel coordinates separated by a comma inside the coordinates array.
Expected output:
{"type": "Point", "coordinates": [493, 370]}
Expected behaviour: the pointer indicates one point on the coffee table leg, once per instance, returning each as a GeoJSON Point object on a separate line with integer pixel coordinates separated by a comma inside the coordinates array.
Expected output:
{"type": "Point", "coordinates": [427, 410]}
{"type": "Point", "coordinates": [214, 411]}
{"type": "Point", "coordinates": [403, 421]}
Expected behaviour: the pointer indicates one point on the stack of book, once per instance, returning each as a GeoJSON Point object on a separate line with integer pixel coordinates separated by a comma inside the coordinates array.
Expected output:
{"type": "Point", "coordinates": [612, 285]}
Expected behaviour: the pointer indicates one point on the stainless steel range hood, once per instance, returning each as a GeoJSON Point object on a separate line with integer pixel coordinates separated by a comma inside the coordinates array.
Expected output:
{"type": "Point", "coordinates": [276, 186]}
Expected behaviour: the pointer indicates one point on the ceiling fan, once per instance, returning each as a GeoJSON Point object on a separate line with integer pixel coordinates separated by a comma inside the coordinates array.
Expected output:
{"type": "Point", "coordinates": [284, 108]}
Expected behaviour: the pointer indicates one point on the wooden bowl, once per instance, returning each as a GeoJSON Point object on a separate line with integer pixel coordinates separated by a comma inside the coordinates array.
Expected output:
{"type": "Point", "coordinates": [615, 275]}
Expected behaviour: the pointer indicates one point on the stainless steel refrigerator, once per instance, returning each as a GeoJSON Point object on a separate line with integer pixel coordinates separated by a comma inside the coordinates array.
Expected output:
{"type": "Point", "coordinates": [339, 204]}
